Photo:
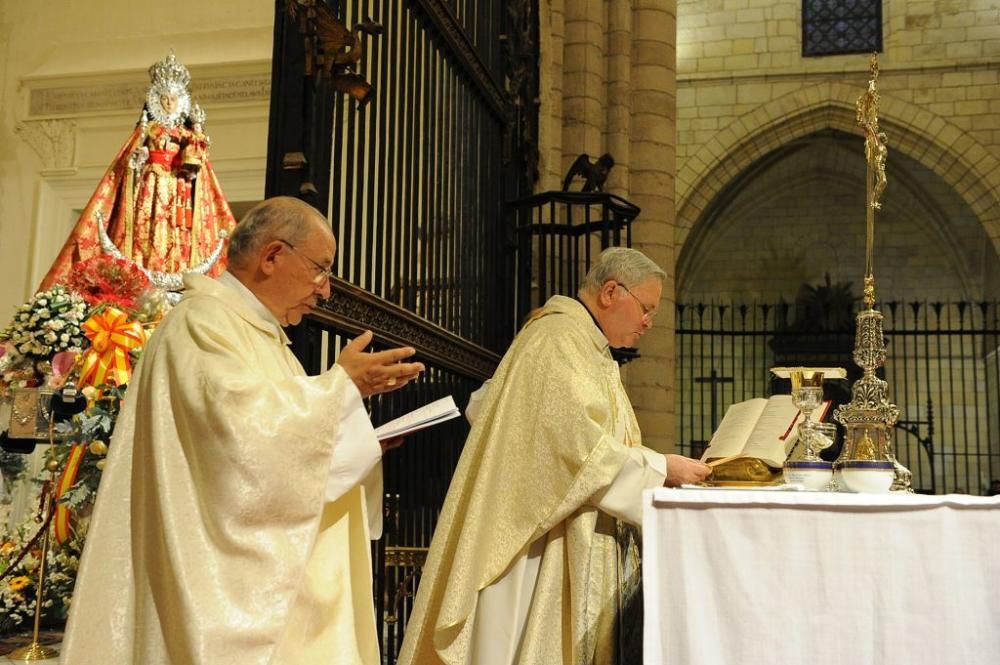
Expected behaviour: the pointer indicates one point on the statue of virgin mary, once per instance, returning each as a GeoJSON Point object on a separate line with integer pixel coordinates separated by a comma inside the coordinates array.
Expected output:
{"type": "Point", "coordinates": [159, 203]}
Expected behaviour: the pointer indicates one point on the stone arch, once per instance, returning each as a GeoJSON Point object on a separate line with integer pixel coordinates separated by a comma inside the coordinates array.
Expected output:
{"type": "Point", "coordinates": [971, 170]}
{"type": "Point", "coordinates": [924, 210]}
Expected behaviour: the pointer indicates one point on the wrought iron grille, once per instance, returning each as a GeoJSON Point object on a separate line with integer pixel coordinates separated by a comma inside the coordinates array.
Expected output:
{"type": "Point", "coordinates": [417, 179]}
{"type": "Point", "coordinates": [836, 27]}
{"type": "Point", "coordinates": [559, 234]}
{"type": "Point", "coordinates": [942, 367]}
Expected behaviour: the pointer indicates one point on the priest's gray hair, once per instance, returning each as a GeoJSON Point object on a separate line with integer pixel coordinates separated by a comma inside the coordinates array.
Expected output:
{"type": "Point", "coordinates": [624, 265]}
{"type": "Point", "coordinates": [278, 218]}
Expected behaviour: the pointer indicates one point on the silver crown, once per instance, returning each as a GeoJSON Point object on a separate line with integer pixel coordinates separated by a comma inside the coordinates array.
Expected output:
{"type": "Point", "coordinates": [169, 74]}
{"type": "Point", "coordinates": [168, 77]}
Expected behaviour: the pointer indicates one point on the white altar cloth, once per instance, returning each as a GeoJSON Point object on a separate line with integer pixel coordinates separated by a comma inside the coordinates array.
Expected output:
{"type": "Point", "coordinates": [745, 577]}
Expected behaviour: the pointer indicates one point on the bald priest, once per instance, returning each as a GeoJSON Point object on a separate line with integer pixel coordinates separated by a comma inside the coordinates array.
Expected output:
{"type": "Point", "coordinates": [232, 520]}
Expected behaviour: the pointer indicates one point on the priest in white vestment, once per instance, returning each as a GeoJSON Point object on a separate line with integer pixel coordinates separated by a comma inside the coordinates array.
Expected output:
{"type": "Point", "coordinates": [524, 567]}
{"type": "Point", "coordinates": [232, 520]}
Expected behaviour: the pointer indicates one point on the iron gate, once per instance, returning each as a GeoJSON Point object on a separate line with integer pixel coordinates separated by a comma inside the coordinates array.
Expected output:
{"type": "Point", "coordinates": [942, 368]}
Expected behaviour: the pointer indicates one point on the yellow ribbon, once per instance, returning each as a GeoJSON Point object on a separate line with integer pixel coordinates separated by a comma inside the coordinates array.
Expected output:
{"type": "Point", "coordinates": [112, 336]}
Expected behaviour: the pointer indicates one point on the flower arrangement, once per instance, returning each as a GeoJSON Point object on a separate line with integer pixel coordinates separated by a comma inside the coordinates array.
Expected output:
{"type": "Point", "coordinates": [105, 280]}
{"type": "Point", "coordinates": [93, 427]}
{"type": "Point", "coordinates": [19, 588]}
{"type": "Point", "coordinates": [48, 343]}
{"type": "Point", "coordinates": [48, 323]}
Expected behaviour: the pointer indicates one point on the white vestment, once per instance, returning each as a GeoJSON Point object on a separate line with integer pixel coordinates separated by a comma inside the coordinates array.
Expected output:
{"type": "Point", "coordinates": [231, 521]}
{"type": "Point", "coordinates": [524, 566]}
{"type": "Point", "coordinates": [502, 611]}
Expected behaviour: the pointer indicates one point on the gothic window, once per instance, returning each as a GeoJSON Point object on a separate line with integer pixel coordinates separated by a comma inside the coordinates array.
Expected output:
{"type": "Point", "coordinates": [837, 27]}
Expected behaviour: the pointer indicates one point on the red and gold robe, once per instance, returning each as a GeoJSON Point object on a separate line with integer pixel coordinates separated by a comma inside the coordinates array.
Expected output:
{"type": "Point", "coordinates": [167, 217]}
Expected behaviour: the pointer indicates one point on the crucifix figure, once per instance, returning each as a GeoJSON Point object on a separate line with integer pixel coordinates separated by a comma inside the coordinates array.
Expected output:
{"type": "Point", "coordinates": [876, 152]}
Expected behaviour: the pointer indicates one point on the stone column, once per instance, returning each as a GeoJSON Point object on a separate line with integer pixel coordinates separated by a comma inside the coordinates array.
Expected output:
{"type": "Point", "coordinates": [619, 94]}
{"type": "Point", "coordinates": [608, 84]}
{"type": "Point", "coordinates": [584, 71]}
{"type": "Point", "coordinates": [652, 168]}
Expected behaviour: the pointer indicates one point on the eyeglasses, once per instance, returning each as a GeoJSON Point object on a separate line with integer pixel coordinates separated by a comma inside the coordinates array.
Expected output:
{"type": "Point", "coordinates": [648, 313]}
{"type": "Point", "coordinates": [323, 274]}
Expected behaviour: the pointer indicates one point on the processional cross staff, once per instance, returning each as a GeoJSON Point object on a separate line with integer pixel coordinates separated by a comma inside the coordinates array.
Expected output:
{"type": "Point", "coordinates": [876, 152]}
{"type": "Point", "coordinates": [870, 416]}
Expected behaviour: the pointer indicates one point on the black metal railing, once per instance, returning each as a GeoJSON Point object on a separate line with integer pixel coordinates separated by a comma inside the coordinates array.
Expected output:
{"type": "Point", "coordinates": [942, 368]}
{"type": "Point", "coordinates": [559, 234]}
{"type": "Point", "coordinates": [416, 183]}
{"type": "Point", "coordinates": [413, 184]}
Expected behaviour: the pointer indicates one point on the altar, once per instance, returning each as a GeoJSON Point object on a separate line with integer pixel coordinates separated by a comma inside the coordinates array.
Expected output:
{"type": "Point", "coordinates": [755, 577]}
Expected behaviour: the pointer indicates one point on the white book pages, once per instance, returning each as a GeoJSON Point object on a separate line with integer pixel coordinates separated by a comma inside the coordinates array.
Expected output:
{"type": "Point", "coordinates": [762, 428]}
{"type": "Point", "coordinates": [430, 414]}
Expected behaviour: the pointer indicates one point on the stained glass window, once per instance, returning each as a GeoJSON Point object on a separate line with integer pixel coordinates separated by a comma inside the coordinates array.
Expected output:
{"type": "Point", "coordinates": [836, 27]}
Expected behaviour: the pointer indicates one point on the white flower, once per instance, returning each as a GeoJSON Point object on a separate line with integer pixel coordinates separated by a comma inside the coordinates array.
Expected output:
{"type": "Point", "coordinates": [64, 337]}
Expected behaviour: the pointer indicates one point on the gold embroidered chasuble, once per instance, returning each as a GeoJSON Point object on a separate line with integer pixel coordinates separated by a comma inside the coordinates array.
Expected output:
{"type": "Point", "coordinates": [210, 540]}
{"type": "Point", "coordinates": [544, 447]}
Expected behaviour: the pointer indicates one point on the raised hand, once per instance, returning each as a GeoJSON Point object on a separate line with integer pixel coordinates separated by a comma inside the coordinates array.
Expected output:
{"type": "Point", "coordinates": [380, 372]}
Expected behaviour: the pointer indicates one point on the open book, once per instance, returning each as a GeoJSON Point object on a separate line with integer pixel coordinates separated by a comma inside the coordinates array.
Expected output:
{"type": "Point", "coordinates": [427, 415]}
{"type": "Point", "coordinates": [765, 429]}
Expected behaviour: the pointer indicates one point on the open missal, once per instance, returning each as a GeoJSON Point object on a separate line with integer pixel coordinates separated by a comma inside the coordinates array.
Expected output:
{"type": "Point", "coordinates": [765, 429]}
{"type": "Point", "coordinates": [427, 415]}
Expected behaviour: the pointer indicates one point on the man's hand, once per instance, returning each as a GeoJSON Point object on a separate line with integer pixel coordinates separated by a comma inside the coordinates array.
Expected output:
{"type": "Point", "coordinates": [685, 471]}
{"type": "Point", "coordinates": [380, 372]}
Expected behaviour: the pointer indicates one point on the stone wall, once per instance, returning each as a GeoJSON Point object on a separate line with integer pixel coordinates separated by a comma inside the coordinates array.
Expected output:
{"type": "Point", "coordinates": [802, 218]}
{"type": "Point", "coordinates": [770, 176]}
{"type": "Point", "coordinates": [745, 92]}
